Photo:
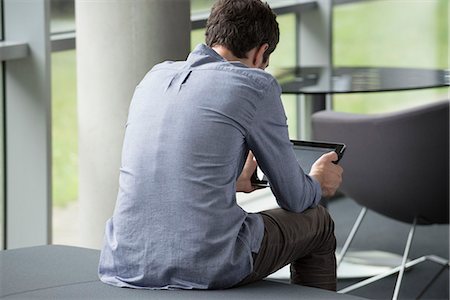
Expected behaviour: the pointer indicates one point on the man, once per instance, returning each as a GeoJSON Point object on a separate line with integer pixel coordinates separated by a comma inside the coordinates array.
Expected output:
{"type": "Point", "coordinates": [194, 130]}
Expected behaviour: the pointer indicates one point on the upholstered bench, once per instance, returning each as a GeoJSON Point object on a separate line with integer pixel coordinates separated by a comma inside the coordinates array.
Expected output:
{"type": "Point", "coordinates": [61, 272]}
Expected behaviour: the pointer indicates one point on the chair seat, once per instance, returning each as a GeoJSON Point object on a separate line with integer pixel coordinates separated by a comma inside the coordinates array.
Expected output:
{"type": "Point", "coordinates": [59, 272]}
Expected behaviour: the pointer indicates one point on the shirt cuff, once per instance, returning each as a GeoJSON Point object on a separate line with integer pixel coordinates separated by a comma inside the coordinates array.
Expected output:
{"type": "Point", "coordinates": [317, 191]}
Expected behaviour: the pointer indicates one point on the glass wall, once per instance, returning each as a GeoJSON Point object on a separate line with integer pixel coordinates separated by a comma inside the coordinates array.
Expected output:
{"type": "Point", "coordinates": [201, 5]}
{"type": "Point", "coordinates": [2, 148]}
{"type": "Point", "coordinates": [285, 56]}
{"type": "Point", "coordinates": [64, 148]}
{"type": "Point", "coordinates": [406, 33]}
{"type": "Point", "coordinates": [62, 16]}
{"type": "Point", "coordinates": [64, 130]}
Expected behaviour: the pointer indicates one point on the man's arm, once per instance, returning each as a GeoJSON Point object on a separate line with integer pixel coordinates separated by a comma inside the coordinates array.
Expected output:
{"type": "Point", "coordinates": [244, 183]}
{"type": "Point", "coordinates": [268, 139]}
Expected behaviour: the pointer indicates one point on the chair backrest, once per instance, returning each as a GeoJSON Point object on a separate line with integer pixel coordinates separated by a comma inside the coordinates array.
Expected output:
{"type": "Point", "coordinates": [396, 164]}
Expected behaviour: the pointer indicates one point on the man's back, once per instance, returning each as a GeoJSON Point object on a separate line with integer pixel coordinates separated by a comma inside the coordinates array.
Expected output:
{"type": "Point", "coordinates": [186, 152]}
{"type": "Point", "coordinates": [176, 222]}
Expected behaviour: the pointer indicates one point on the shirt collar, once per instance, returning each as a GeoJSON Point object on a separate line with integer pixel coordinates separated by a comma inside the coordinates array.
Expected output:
{"type": "Point", "coordinates": [203, 54]}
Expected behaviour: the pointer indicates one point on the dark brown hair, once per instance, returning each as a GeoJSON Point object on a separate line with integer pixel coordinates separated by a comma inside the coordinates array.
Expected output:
{"type": "Point", "coordinates": [241, 25]}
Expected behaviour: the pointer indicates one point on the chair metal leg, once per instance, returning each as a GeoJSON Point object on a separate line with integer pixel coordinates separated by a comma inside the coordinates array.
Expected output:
{"type": "Point", "coordinates": [350, 237]}
{"type": "Point", "coordinates": [400, 269]}
{"type": "Point", "coordinates": [432, 258]}
{"type": "Point", "coordinates": [380, 276]}
{"type": "Point", "coordinates": [405, 258]}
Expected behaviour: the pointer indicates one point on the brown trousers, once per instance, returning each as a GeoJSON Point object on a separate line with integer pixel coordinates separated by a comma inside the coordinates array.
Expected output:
{"type": "Point", "coordinates": [305, 240]}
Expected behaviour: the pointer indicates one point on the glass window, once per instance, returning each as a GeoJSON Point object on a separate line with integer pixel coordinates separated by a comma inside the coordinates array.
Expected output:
{"type": "Point", "coordinates": [2, 148]}
{"type": "Point", "coordinates": [285, 56]}
{"type": "Point", "coordinates": [2, 167]}
{"type": "Point", "coordinates": [201, 5]}
{"type": "Point", "coordinates": [62, 16]}
{"type": "Point", "coordinates": [64, 148]}
{"type": "Point", "coordinates": [64, 130]}
{"type": "Point", "coordinates": [405, 33]}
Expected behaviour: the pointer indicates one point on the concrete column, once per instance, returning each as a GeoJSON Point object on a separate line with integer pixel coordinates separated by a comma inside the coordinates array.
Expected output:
{"type": "Point", "coordinates": [118, 41]}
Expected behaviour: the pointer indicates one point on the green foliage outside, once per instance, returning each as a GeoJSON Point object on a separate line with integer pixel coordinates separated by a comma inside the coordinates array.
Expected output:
{"type": "Point", "coordinates": [64, 128]}
{"type": "Point", "coordinates": [408, 33]}
{"type": "Point", "coordinates": [411, 33]}
{"type": "Point", "coordinates": [201, 5]}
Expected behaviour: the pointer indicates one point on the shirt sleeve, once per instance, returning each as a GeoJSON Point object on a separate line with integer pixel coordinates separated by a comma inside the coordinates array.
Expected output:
{"type": "Point", "coordinates": [268, 139]}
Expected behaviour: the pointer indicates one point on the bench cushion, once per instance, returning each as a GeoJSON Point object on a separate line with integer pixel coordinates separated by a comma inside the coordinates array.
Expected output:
{"type": "Point", "coordinates": [71, 272]}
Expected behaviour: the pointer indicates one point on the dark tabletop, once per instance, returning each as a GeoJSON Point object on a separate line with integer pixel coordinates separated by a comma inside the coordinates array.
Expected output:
{"type": "Point", "coordinates": [320, 80]}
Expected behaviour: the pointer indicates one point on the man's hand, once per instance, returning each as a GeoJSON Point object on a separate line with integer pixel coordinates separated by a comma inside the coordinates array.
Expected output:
{"type": "Point", "coordinates": [244, 183]}
{"type": "Point", "coordinates": [328, 174]}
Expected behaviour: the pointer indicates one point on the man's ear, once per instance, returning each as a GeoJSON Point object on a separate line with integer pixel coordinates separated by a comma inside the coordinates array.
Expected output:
{"type": "Point", "coordinates": [259, 55]}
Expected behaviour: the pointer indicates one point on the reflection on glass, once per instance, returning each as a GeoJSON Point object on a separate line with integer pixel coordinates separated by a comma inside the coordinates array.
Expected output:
{"type": "Point", "coordinates": [62, 16]}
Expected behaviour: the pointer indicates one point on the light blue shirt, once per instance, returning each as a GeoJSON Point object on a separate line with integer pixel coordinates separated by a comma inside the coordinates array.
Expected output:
{"type": "Point", "coordinates": [176, 223]}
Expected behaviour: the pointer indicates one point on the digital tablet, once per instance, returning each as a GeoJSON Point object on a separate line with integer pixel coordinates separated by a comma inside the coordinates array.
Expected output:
{"type": "Point", "coordinates": [307, 152]}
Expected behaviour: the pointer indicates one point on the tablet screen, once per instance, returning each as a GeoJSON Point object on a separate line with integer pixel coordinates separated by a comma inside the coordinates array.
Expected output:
{"type": "Point", "coordinates": [306, 156]}
{"type": "Point", "coordinates": [307, 152]}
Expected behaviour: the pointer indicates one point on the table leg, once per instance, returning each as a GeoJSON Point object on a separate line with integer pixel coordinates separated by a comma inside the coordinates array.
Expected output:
{"type": "Point", "coordinates": [306, 106]}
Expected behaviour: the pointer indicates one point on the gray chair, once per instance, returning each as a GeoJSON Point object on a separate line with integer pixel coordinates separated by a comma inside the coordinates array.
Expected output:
{"type": "Point", "coordinates": [396, 164]}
